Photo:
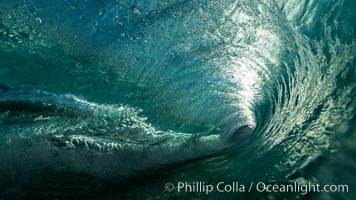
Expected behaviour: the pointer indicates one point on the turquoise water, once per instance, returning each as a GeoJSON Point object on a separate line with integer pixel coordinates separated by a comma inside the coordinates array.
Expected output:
{"type": "Point", "coordinates": [102, 99]}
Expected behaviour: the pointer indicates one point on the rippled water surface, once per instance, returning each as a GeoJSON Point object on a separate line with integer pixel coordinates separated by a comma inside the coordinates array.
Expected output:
{"type": "Point", "coordinates": [102, 99]}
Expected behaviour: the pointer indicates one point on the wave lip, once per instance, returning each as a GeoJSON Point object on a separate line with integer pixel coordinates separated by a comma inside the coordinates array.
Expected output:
{"type": "Point", "coordinates": [206, 75]}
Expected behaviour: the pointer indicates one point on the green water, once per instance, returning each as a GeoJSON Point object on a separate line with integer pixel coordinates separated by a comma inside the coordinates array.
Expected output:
{"type": "Point", "coordinates": [102, 99]}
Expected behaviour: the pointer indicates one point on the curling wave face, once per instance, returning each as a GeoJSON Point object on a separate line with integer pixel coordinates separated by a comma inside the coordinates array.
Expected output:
{"type": "Point", "coordinates": [113, 89]}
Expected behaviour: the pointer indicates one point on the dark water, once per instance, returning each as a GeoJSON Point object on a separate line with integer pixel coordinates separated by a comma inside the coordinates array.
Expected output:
{"type": "Point", "coordinates": [113, 99]}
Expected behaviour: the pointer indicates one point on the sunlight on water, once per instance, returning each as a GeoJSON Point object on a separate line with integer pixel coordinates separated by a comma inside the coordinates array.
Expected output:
{"type": "Point", "coordinates": [95, 95]}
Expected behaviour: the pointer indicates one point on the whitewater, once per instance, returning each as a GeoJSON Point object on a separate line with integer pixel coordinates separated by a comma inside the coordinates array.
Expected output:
{"type": "Point", "coordinates": [96, 96]}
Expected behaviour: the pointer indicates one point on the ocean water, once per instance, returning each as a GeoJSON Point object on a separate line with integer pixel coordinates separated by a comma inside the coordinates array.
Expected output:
{"type": "Point", "coordinates": [115, 99]}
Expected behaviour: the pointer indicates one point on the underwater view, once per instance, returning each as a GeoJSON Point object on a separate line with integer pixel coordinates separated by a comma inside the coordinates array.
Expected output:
{"type": "Point", "coordinates": [177, 99]}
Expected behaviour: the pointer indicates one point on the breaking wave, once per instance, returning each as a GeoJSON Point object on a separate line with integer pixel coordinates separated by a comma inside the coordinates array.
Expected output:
{"type": "Point", "coordinates": [106, 92]}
